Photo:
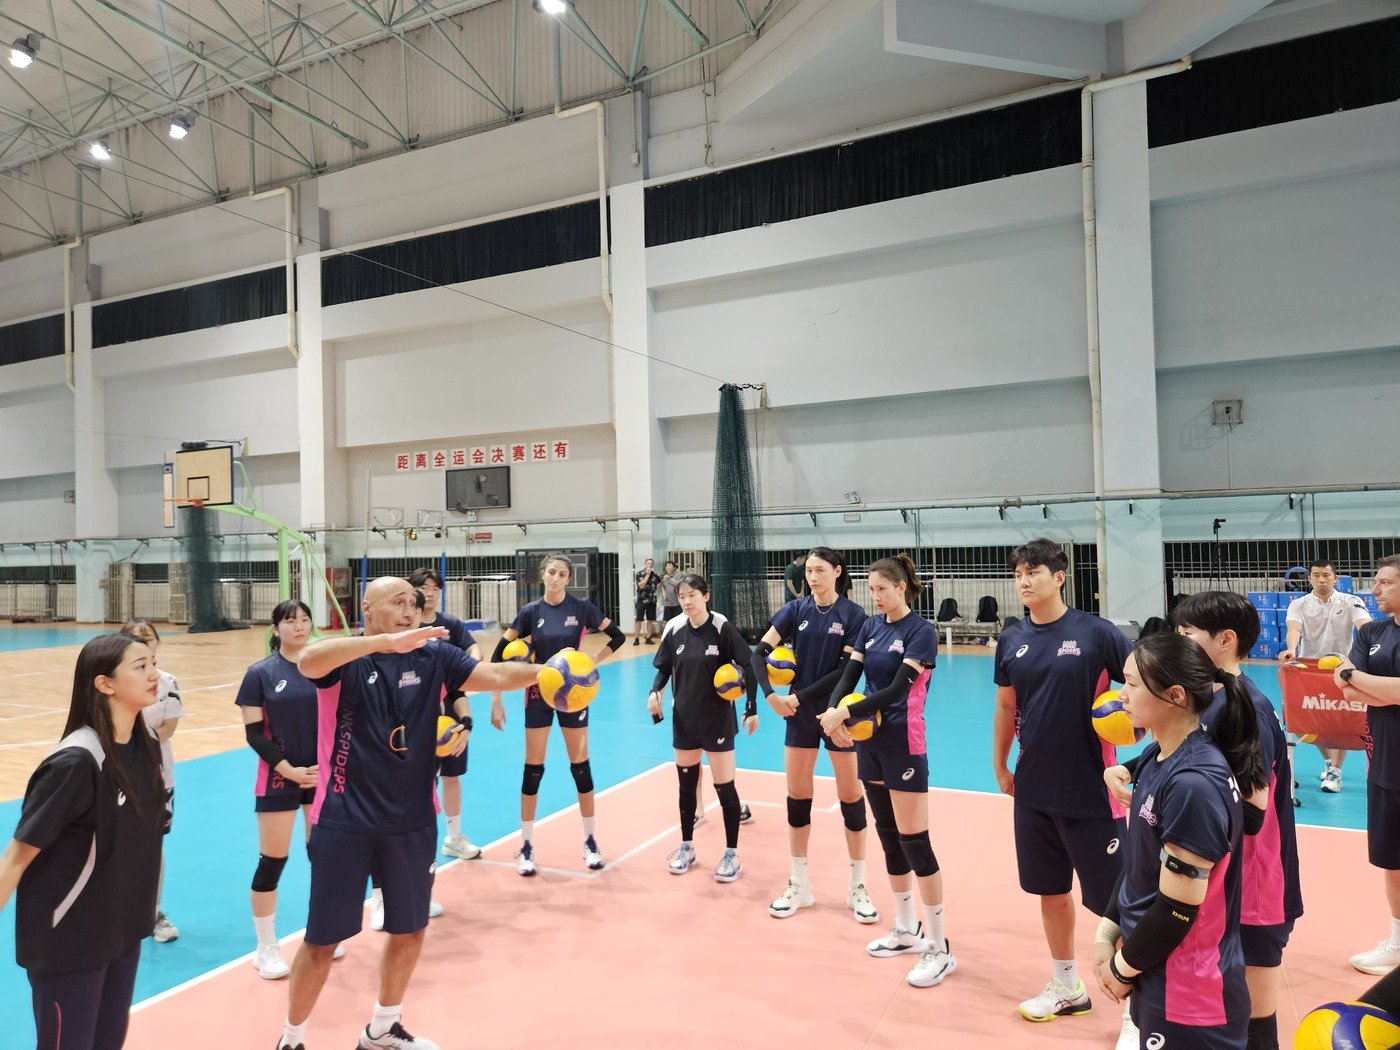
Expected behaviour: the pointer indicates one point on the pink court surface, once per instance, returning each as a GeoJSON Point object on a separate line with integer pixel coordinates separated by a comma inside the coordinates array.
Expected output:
{"type": "Point", "coordinates": [633, 956]}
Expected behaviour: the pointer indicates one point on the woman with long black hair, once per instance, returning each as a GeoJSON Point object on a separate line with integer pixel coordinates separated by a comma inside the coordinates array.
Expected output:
{"type": "Point", "coordinates": [86, 854]}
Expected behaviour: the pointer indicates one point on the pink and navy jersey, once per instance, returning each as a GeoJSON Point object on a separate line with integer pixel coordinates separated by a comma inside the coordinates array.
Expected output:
{"type": "Point", "coordinates": [1190, 801]}
{"type": "Point", "coordinates": [1377, 651]}
{"type": "Point", "coordinates": [1057, 669]}
{"type": "Point", "coordinates": [457, 633]}
{"type": "Point", "coordinates": [1270, 892]}
{"type": "Point", "coordinates": [884, 646]}
{"type": "Point", "coordinates": [818, 637]}
{"type": "Point", "coordinates": [288, 702]}
{"type": "Point", "coordinates": [364, 784]}
{"type": "Point", "coordinates": [554, 627]}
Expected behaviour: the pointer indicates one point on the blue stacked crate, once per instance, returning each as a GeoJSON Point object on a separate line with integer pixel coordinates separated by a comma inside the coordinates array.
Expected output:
{"type": "Point", "coordinates": [1344, 584]}
{"type": "Point", "coordinates": [1268, 645]}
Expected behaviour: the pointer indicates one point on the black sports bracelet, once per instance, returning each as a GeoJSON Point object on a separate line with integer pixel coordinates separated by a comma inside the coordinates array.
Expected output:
{"type": "Point", "coordinates": [465, 721]}
{"type": "Point", "coordinates": [1113, 969]}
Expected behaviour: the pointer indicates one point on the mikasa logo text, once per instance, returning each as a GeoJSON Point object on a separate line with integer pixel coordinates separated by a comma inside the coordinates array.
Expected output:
{"type": "Point", "coordinates": [1327, 703]}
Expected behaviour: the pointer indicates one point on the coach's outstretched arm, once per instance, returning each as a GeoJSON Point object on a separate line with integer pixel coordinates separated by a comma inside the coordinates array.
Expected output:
{"type": "Point", "coordinates": [321, 658]}
{"type": "Point", "coordinates": [502, 677]}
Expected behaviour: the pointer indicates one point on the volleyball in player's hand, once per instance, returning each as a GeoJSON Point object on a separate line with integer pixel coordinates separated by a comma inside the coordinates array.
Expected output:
{"type": "Point", "coordinates": [445, 735]}
{"type": "Point", "coordinates": [517, 650]}
{"type": "Point", "coordinates": [569, 680]}
{"type": "Point", "coordinates": [1330, 662]}
{"type": "Point", "coordinates": [1348, 1026]}
{"type": "Point", "coordinates": [782, 666]}
{"type": "Point", "coordinates": [1111, 722]}
{"type": "Point", "coordinates": [862, 727]}
{"type": "Point", "coordinates": [729, 682]}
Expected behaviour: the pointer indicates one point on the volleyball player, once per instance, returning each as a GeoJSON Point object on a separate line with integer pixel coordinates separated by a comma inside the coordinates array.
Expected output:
{"type": "Point", "coordinates": [279, 722]}
{"type": "Point", "coordinates": [378, 698]}
{"type": "Point", "coordinates": [1048, 669]}
{"type": "Point", "coordinates": [690, 653]}
{"type": "Point", "coordinates": [896, 650]}
{"type": "Point", "coordinates": [450, 770]}
{"type": "Point", "coordinates": [823, 626]}
{"type": "Point", "coordinates": [558, 620]}
{"type": "Point", "coordinates": [1176, 912]}
{"type": "Point", "coordinates": [86, 854]}
{"type": "Point", "coordinates": [163, 717]}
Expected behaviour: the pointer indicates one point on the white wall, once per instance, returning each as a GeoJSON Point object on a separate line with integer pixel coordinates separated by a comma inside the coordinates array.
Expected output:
{"type": "Point", "coordinates": [33, 507]}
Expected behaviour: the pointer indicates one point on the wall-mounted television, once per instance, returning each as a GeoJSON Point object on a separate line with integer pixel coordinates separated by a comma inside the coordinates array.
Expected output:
{"type": "Point", "coordinates": [478, 488]}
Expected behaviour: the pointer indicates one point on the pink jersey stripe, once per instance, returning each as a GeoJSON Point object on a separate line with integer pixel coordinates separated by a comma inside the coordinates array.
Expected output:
{"type": "Point", "coordinates": [914, 714]}
{"type": "Point", "coordinates": [1116, 809]}
{"type": "Point", "coordinates": [1195, 987]}
{"type": "Point", "coordinates": [260, 786]}
{"type": "Point", "coordinates": [327, 706]}
{"type": "Point", "coordinates": [1261, 882]}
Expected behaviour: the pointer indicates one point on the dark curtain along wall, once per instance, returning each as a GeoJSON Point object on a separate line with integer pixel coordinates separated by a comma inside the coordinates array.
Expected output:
{"type": "Point", "coordinates": [525, 242]}
{"type": "Point", "coordinates": [1345, 69]}
{"type": "Point", "coordinates": [243, 298]}
{"type": "Point", "coordinates": [1031, 136]}
{"type": "Point", "coordinates": [31, 340]}
{"type": "Point", "coordinates": [738, 587]}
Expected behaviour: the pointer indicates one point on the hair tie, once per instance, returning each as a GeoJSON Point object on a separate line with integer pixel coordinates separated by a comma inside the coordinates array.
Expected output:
{"type": "Point", "coordinates": [1221, 675]}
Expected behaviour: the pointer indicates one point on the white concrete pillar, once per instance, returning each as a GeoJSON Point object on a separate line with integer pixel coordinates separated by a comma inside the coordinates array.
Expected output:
{"type": "Point", "coordinates": [95, 489]}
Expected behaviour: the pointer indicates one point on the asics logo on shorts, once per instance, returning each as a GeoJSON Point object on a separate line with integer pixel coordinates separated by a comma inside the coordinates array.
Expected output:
{"type": "Point", "coordinates": [432, 868]}
{"type": "Point", "coordinates": [1375, 649]}
{"type": "Point", "coordinates": [121, 798]}
{"type": "Point", "coordinates": [908, 774]}
{"type": "Point", "coordinates": [720, 741]}
{"type": "Point", "coordinates": [280, 686]}
{"type": "Point", "coordinates": [1022, 651]}
{"type": "Point", "coordinates": [1155, 1041]}
{"type": "Point", "coordinates": [1112, 847]}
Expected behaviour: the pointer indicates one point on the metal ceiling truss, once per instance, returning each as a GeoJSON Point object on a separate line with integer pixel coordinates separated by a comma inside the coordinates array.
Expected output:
{"type": "Point", "coordinates": [204, 61]}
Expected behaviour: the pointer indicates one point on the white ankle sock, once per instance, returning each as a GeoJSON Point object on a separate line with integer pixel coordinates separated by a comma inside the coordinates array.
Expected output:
{"type": "Point", "coordinates": [590, 825]}
{"type": "Point", "coordinates": [1394, 931]}
{"type": "Point", "coordinates": [266, 927]}
{"type": "Point", "coordinates": [1066, 972]}
{"type": "Point", "coordinates": [293, 1034]}
{"type": "Point", "coordinates": [454, 825]}
{"type": "Point", "coordinates": [799, 870]}
{"type": "Point", "coordinates": [933, 926]}
{"type": "Point", "coordinates": [905, 917]}
{"type": "Point", "coordinates": [857, 873]}
{"type": "Point", "coordinates": [527, 830]}
{"type": "Point", "coordinates": [385, 1017]}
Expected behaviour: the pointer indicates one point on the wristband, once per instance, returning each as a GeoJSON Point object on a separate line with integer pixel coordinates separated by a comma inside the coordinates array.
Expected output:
{"type": "Point", "coordinates": [1113, 969]}
{"type": "Point", "coordinates": [465, 721]}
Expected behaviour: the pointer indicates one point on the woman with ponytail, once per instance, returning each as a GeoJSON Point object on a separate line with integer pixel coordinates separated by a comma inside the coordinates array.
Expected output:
{"type": "Point", "coordinates": [1170, 939]}
{"type": "Point", "coordinates": [896, 649]}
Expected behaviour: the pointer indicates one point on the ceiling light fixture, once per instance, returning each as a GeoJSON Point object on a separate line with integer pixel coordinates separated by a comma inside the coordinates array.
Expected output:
{"type": "Point", "coordinates": [180, 125]}
{"type": "Point", "coordinates": [99, 151]}
{"type": "Point", "coordinates": [550, 7]}
{"type": "Point", "coordinates": [24, 51]}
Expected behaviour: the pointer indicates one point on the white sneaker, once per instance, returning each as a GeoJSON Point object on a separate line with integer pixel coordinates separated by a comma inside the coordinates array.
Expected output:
{"type": "Point", "coordinates": [525, 860]}
{"type": "Point", "coordinates": [435, 910]}
{"type": "Point", "coordinates": [933, 965]}
{"type": "Point", "coordinates": [745, 814]}
{"type": "Point", "coordinates": [461, 847]}
{"type": "Point", "coordinates": [1331, 779]}
{"type": "Point", "coordinates": [164, 930]}
{"type": "Point", "coordinates": [339, 952]}
{"type": "Point", "coordinates": [396, 1038]}
{"type": "Point", "coordinates": [898, 942]}
{"type": "Point", "coordinates": [1380, 960]}
{"type": "Point", "coordinates": [1128, 1038]}
{"type": "Point", "coordinates": [269, 963]}
{"type": "Point", "coordinates": [793, 897]}
{"type": "Point", "coordinates": [592, 856]}
{"type": "Point", "coordinates": [727, 870]}
{"type": "Point", "coordinates": [682, 860]}
{"type": "Point", "coordinates": [858, 900]}
{"type": "Point", "coordinates": [376, 909]}
{"type": "Point", "coordinates": [699, 817]}
{"type": "Point", "coordinates": [1057, 1000]}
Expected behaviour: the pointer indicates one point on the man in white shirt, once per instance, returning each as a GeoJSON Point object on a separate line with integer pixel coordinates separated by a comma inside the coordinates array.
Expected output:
{"type": "Point", "coordinates": [1320, 623]}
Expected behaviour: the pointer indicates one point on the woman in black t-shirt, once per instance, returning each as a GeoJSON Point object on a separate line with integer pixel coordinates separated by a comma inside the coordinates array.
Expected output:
{"type": "Point", "coordinates": [86, 854]}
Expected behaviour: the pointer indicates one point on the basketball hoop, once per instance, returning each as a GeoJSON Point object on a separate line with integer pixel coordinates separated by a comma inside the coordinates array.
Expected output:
{"type": "Point", "coordinates": [197, 504]}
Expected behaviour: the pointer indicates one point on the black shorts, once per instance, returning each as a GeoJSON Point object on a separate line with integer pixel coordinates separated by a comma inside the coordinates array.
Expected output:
{"type": "Point", "coordinates": [284, 801]}
{"type": "Point", "coordinates": [1157, 1031]}
{"type": "Point", "coordinates": [804, 731]}
{"type": "Point", "coordinates": [540, 715]}
{"type": "Point", "coordinates": [1383, 826]}
{"type": "Point", "coordinates": [169, 810]}
{"type": "Point", "coordinates": [1264, 945]}
{"type": "Point", "coordinates": [454, 766]}
{"type": "Point", "coordinates": [646, 610]}
{"type": "Point", "coordinates": [669, 613]}
{"type": "Point", "coordinates": [341, 863]}
{"type": "Point", "coordinates": [886, 758]}
{"type": "Point", "coordinates": [1051, 850]}
{"type": "Point", "coordinates": [715, 733]}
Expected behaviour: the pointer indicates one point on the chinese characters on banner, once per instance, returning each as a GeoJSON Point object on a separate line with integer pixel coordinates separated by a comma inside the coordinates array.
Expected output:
{"type": "Point", "coordinates": [532, 451]}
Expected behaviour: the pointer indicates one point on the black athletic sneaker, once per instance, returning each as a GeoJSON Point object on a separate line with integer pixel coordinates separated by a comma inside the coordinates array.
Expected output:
{"type": "Point", "coordinates": [745, 814]}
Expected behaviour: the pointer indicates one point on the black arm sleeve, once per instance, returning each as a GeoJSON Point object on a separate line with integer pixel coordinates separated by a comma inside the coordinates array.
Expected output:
{"type": "Point", "coordinates": [1111, 912]}
{"type": "Point", "coordinates": [616, 639]}
{"type": "Point", "coordinates": [849, 677]}
{"type": "Point", "coordinates": [261, 743]}
{"type": "Point", "coordinates": [822, 687]}
{"type": "Point", "coordinates": [1131, 765]}
{"type": "Point", "coordinates": [663, 675]}
{"type": "Point", "coordinates": [893, 693]}
{"type": "Point", "coordinates": [498, 652]}
{"type": "Point", "coordinates": [1162, 929]}
{"type": "Point", "coordinates": [1253, 819]}
{"type": "Point", "coordinates": [751, 695]}
{"type": "Point", "coordinates": [759, 663]}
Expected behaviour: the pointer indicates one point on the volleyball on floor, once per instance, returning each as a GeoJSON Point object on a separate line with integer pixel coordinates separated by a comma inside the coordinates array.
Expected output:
{"type": "Point", "coordinates": [517, 650]}
{"type": "Point", "coordinates": [1348, 1026]}
{"type": "Point", "coordinates": [446, 723]}
{"type": "Point", "coordinates": [782, 666]}
{"type": "Point", "coordinates": [862, 727]}
{"type": "Point", "coordinates": [569, 680]}
{"type": "Point", "coordinates": [729, 682]}
{"type": "Point", "coordinates": [1111, 722]}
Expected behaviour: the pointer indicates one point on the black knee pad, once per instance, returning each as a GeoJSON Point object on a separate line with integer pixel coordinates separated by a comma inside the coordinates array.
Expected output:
{"type": "Point", "coordinates": [728, 796]}
{"type": "Point", "coordinates": [919, 850]}
{"type": "Point", "coordinates": [268, 873]}
{"type": "Point", "coordinates": [530, 783]}
{"type": "Point", "coordinates": [689, 779]}
{"type": "Point", "coordinates": [896, 863]}
{"type": "Point", "coordinates": [583, 776]}
{"type": "Point", "coordinates": [799, 812]}
{"type": "Point", "coordinates": [853, 813]}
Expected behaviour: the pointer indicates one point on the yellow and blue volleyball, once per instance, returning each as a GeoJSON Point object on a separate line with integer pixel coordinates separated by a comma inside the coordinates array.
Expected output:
{"type": "Point", "coordinates": [782, 666]}
{"type": "Point", "coordinates": [446, 724]}
{"type": "Point", "coordinates": [862, 727]}
{"type": "Point", "coordinates": [1348, 1026]}
{"type": "Point", "coordinates": [1330, 662]}
{"type": "Point", "coordinates": [517, 650]}
{"type": "Point", "coordinates": [569, 680]}
{"type": "Point", "coordinates": [729, 682]}
{"type": "Point", "coordinates": [1111, 722]}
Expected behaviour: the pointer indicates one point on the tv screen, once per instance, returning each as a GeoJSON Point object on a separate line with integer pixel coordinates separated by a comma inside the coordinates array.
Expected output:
{"type": "Point", "coordinates": [478, 488]}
